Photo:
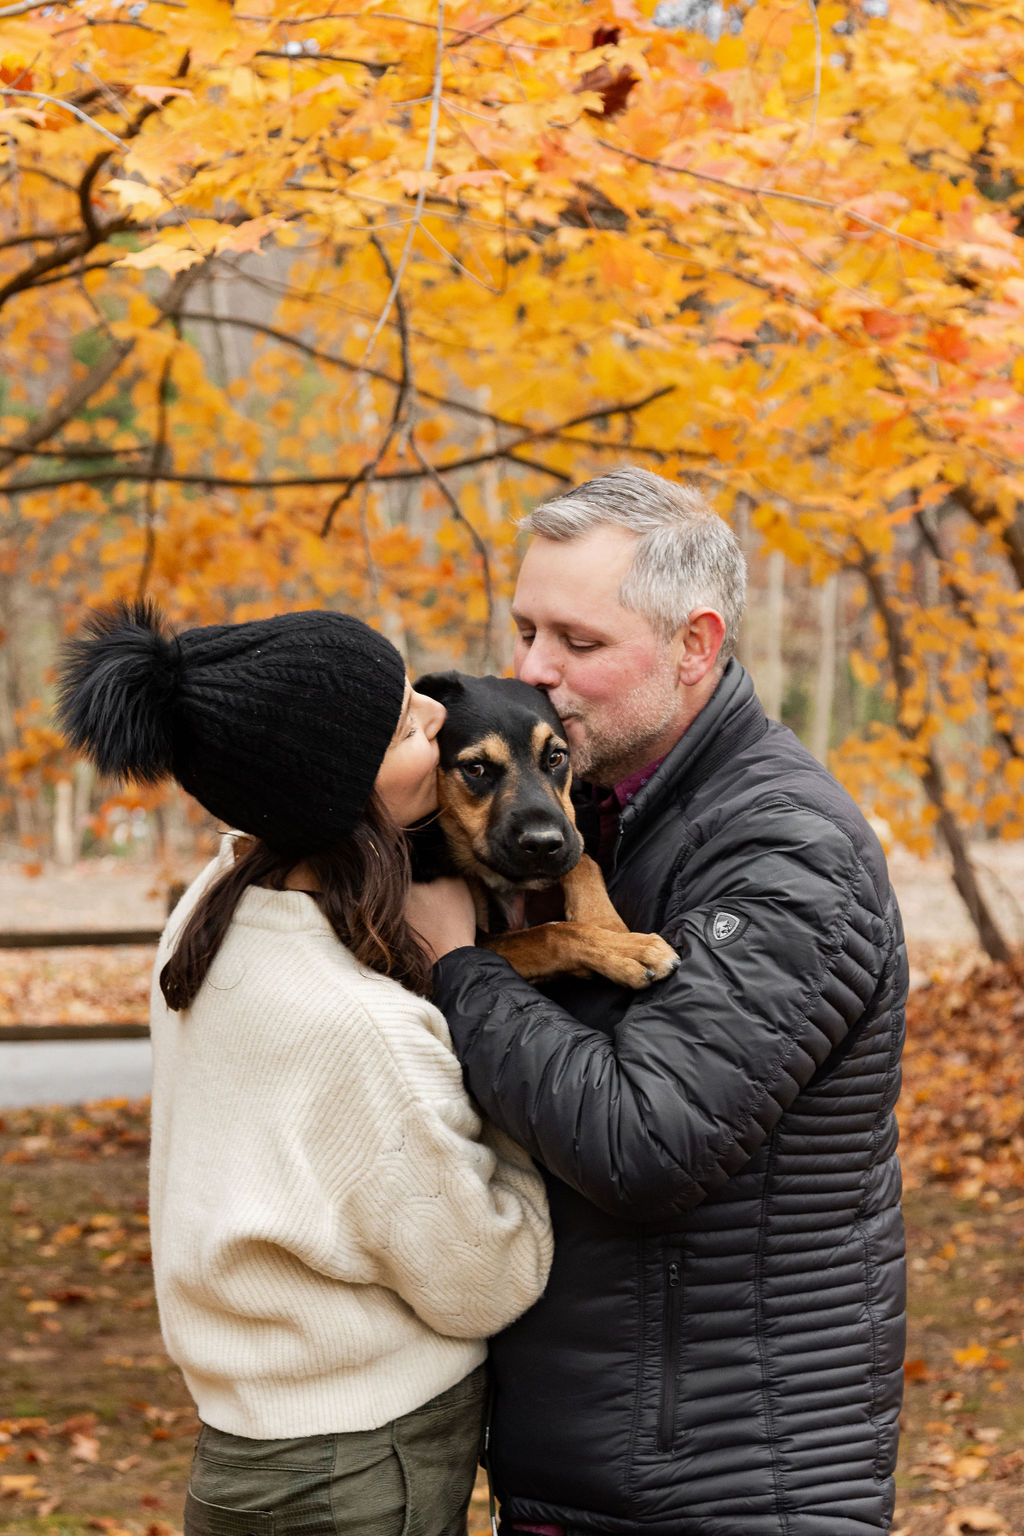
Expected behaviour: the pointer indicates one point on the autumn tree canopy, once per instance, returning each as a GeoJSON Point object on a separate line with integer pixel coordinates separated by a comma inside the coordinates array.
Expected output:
{"type": "Point", "coordinates": [302, 304]}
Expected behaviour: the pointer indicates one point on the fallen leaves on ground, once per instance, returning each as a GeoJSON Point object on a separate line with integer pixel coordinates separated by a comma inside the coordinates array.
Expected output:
{"type": "Point", "coordinates": [962, 1148]}
{"type": "Point", "coordinates": [81, 1259]}
{"type": "Point", "coordinates": [962, 1110]}
{"type": "Point", "coordinates": [91, 985]}
{"type": "Point", "coordinates": [99, 1128]}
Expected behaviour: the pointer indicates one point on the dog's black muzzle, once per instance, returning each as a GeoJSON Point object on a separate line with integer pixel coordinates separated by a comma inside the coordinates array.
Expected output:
{"type": "Point", "coordinates": [535, 849]}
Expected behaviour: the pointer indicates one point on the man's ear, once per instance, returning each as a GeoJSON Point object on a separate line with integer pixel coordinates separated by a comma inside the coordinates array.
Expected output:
{"type": "Point", "coordinates": [698, 643]}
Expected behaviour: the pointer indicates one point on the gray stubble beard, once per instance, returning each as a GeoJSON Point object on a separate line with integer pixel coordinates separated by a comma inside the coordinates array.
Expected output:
{"type": "Point", "coordinates": [611, 758]}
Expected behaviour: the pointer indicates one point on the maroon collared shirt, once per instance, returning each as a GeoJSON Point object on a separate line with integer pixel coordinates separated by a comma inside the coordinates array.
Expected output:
{"type": "Point", "coordinates": [612, 803]}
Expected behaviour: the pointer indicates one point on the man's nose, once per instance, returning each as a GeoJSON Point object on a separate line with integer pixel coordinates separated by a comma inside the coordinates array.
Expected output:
{"type": "Point", "coordinates": [537, 666]}
{"type": "Point", "coordinates": [438, 717]}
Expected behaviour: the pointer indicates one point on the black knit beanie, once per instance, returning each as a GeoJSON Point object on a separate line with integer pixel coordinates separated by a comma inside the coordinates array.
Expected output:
{"type": "Point", "coordinates": [277, 727]}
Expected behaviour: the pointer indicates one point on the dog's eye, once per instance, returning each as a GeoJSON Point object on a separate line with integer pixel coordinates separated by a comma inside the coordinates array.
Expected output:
{"type": "Point", "coordinates": [558, 758]}
{"type": "Point", "coordinates": [473, 770]}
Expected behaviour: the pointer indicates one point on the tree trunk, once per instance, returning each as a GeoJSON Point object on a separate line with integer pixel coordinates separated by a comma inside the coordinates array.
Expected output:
{"type": "Point", "coordinates": [741, 528]}
{"type": "Point", "coordinates": [964, 877]}
{"type": "Point", "coordinates": [65, 843]}
{"type": "Point", "coordinates": [390, 620]}
{"type": "Point", "coordinates": [771, 679]}
{"type": "Point", "coordinates": [497, 655]}
{"type": "Point", "coordinates": [825, 680]}
{"type": "Point", "coordinates": [932, 779]}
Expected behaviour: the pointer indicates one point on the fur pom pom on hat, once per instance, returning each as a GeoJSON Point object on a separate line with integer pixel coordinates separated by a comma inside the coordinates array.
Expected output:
{"type": "Point", "coordinates": [277, 726]}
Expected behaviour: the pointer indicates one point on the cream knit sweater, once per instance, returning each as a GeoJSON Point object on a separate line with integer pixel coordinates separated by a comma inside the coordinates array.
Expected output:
{"type": "Point", "coordinates": [334, 1233]}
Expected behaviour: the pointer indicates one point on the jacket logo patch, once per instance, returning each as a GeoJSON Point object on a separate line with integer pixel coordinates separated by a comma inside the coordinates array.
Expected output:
{"type": "Point", "coordinates": [722, 927]}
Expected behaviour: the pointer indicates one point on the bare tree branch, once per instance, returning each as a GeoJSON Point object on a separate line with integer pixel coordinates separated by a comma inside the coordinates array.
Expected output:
{"type": "Point", "coordinates": [367, 473]}
{"type": "Point", "coordinates": [987, 516]}
{"type": "Point", "coordinates": [76, 451]}
{"type": "Point", "coordinates": [789, 197]}
{"type": "Point", "coordinates": [68, 106]}
{"type": "Point", "coordinates": [83, 389]}
{"type": "Point", "coordinates": [627, 408]}
{"type": "Point", "coordinates": [509, 452]}
{"type": "Point", "coordinates": [983, 638]}
{"type": "Point", "coordinates": [92, 228]}
{"type": "Point", "coordinates": [159, 450]}
{"type": "Point", "coordinates": [36, 236]}
{"type": "Point", "coordinates": [478, 543]}
{"type": "Point", "coordinates": [372, 66]}
{"type": "Point", "coordinates": [428, 165]}
{"type": "Point", "coordinates": [22, 7]}
{"type": "Point", "coordinates": [79, 268]}
{"type": "Point", "coordinates": [263, 483]}
{"type": "Point", "coordinates": [445, 490]}
{"type": "Point", "coordinates": [81, 245]}
{"type": "Point", "coordinates": [69, 405]}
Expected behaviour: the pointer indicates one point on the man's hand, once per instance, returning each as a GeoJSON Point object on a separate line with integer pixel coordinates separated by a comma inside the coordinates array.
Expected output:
{"type": "Point", "coordinates": [442, 915]}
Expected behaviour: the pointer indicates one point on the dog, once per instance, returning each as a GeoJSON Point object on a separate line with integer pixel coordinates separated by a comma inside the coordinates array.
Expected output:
{"type": "Point", "coordinates": [506, 824]}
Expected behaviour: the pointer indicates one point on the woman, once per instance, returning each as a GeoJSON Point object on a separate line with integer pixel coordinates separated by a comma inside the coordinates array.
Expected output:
{"type": "Point", "coordinates": [334, 1233]}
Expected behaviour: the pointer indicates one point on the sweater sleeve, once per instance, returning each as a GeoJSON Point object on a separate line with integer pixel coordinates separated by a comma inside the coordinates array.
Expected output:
{"type": "Point", "coordinates": [451, 1214]}
{"type": "Point", "coordinates": [648, 1119]}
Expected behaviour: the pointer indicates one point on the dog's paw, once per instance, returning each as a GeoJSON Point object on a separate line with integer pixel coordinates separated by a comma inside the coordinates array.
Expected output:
{"type": "Point", "coordinates": [638, 959]}
{"type": "Point", "coordinates": [581, 949]}
{"type": "Point", "coordinates": [664, 959]}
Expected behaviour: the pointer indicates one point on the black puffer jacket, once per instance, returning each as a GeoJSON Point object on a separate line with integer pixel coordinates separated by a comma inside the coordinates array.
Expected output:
{"type": "Point", "coordinates": [719, 1350]}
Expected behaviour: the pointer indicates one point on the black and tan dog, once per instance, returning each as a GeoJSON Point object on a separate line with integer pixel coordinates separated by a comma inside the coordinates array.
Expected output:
{"type": "Point", "coordinates": [506, 823]}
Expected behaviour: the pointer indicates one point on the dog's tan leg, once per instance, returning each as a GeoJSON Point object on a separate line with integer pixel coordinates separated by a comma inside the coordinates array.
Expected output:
{"type": "Point", "coordinates": [577, 949]}
{"type": "Point", "coordinates": [587, 900]}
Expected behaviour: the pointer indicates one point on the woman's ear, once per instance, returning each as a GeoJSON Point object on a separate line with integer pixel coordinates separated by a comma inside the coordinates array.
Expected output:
{"type": "Point", "coordinates": [698, 643]}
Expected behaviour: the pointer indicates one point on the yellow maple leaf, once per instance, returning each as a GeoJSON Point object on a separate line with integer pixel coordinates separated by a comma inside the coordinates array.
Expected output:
{"type": "Point", "coordinates": [972, 1357]}
{"type": "Point", "coordinates": [162, 255]}
{"type": "Point", "coordinates": [137, 195]}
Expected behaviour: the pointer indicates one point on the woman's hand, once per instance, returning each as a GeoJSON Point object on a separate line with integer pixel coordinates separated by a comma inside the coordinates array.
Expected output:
{"type": "Point", "coordinates": [442, 915]}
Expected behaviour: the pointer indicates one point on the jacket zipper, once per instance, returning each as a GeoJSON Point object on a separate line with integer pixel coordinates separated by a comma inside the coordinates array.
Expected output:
{"type": "Point", "coordinates": [670, 1352]}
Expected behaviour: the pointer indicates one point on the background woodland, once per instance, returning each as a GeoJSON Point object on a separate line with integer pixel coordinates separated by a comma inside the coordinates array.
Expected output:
{"type": "Point", "coordinates": [303, 305]}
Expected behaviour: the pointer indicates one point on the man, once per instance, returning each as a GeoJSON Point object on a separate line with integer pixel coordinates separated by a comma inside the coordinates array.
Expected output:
{"type": "Point", "coordinates": [719, 1349]}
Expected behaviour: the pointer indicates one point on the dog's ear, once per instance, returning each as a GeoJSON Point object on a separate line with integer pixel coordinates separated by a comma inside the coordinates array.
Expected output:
{"type": "Point", "coordinates": [442, 686]}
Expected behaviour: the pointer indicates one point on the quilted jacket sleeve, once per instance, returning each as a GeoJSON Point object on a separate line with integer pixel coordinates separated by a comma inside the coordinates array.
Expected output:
{"type": "Point", "coordinates": [697, 1070]}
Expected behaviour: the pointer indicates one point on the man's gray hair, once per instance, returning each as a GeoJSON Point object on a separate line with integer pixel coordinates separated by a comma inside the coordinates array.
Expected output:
{"type": "Point", "coordinates": [686, 557]}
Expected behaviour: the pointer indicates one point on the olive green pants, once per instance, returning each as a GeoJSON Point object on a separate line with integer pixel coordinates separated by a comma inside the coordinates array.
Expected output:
{"type": "Point", "coordinates": [412, 1477]}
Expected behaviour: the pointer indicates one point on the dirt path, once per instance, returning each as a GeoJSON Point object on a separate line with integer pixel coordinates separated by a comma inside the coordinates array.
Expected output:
{"type": "Point", "coordinates": [934, 917]}
{"type": "Point", "coordinates": [95, 893]}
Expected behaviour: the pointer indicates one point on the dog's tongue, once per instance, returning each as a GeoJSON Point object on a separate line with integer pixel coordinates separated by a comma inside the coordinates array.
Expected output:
{"type": "Point", "coordinates": [515, 910]}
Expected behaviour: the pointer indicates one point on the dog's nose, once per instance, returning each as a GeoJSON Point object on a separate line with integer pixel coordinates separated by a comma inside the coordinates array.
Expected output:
{"type": "Point", "coordinates": [541, 840]}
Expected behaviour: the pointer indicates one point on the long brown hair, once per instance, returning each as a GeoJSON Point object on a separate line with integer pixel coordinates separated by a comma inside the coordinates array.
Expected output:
{"type": "Point", "coordinates": [362, 887]}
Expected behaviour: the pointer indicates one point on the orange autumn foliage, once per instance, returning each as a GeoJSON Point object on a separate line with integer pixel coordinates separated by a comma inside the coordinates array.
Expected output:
{"type": "Point", "coordinates": [304, 311]}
